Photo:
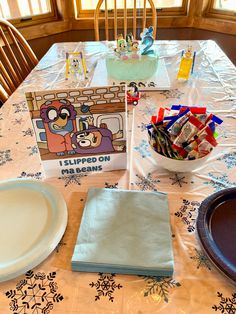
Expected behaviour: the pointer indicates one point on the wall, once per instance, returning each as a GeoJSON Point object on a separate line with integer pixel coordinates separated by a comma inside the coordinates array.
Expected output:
{"type": "Point", "coordinates": [225, 41]}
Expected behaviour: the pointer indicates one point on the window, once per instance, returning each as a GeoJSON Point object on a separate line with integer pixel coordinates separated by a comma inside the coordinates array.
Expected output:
{"type": "Point", "coordinates": [86, 8]}
{"type": "Point", "coordinates": [222, 9]}
{"type": "Point", "coordinates": [28, 11]}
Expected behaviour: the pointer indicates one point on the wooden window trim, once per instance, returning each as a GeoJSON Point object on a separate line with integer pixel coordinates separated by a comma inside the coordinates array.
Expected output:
{"type": "Point", "coordinates": [174, 11]}
{"type": "Point", "coordinates": [38, 19]}
{"type": "Point", "coordinates": [211, 12]}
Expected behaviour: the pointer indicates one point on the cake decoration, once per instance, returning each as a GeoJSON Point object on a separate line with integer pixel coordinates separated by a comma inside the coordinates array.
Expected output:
{"type": "Point", "coordinates": [147, 40]}
{"type": "Point", "coordinates": [131, 61]}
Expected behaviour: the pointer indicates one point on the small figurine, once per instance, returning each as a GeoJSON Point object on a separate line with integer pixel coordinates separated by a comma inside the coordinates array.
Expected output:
{"type": "Point", "coordinates": [186, 64]}
{"type": "Point", "coordinates": [135, 49]}
{"type": "Point", "coordinates": [129, 41]}
{"type": "Point", "coordinates": [76, 65]}
{"type": "Point", "coordinates": [122, 48]}
{"type": "Point", "coordinates": [133, 94]}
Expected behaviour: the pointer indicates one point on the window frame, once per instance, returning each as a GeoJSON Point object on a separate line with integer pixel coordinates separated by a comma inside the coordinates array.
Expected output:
{"type": "Point", "coordinates": [37, 19]}
{"type": "Point", "coordinates": [173, 11]}
{"type": "Point", "coordinates": [217, 13]}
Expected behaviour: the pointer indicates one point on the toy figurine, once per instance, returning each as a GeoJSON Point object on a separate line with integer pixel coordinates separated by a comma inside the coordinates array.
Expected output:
{"type": "Point", "coordinates": [129, 41]}
{"type": "Point", "coordinates": [122, 46]}
{"type": "Point", "coordinates": [135, 49]}
{"type": "Point", "coordinates": [186, 64]}
{"type": "Point", "coordinates": [133, 94]}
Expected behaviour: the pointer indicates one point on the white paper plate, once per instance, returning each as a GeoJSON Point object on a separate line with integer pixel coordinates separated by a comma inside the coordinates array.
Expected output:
{"type": "Point", "coordinates": [33, 218]}
{"type": "Point", "coordinates": [159, 81]}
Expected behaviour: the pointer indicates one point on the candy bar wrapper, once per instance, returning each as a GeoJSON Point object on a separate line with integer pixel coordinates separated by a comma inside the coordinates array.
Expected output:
{"type": "Point", "coordinates": [190, 128]}
{"type": "Point", "coordinates": [175, 125]}
{"type": "Point", "coordinates": [206, 145]}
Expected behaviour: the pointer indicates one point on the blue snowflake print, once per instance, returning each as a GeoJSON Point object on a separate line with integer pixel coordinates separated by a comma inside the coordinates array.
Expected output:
{"type": "Point", "coordinates": [229, 159]}
{"type": "Point", "coordinates": [5, 156]}
{"type": "Point", "coordinates": [149, 111]}
{"type": "Point", "coordinates": [143, 149]}
{"type": "Point", "coordinates": [33, 150]}
{"type": "Point", "coordinates": [172, 93]}
{"type": "Point", "coordinates": [17, 121]}
{"type": "Point", "coordinates": [201, 260]}
{"type": "Point", "coordinates": [20, 107]}
{"type": "Point", "coordinates": [227, 305]}
{"type": "Point", "coordinates": [36, 293]}
{"type": "Point", "coordinates": [219, 182]}
{"type": "Point", "coordinates": [105, 286]}
{"type": "Point", "coordinates": [142, 127]}
{"type": "Point", "coordinates": [72, 179]}
{"type": "Point", "coordinates": [146, 183]}
{"type": "Point", "coordinates": [111, 185]}
{"type": "Point", "coordinates": [159, 285]}
{"type": "Point", "coordinates": [37, 175]}
{"type": "Point", "coordinates": [29, 132]}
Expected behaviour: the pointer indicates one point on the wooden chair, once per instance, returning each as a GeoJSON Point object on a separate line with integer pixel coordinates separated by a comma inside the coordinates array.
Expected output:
{"type": "Point", "coordinates": [135, 17]}
{"type": "Point", "coordinates": [17, 59]}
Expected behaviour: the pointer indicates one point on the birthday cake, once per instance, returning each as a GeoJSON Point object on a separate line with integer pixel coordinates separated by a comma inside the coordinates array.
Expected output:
{"type": "Point", "coordinates": [129, 62]}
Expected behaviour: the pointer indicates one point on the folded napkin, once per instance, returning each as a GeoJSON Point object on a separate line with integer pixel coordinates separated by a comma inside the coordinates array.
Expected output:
{"type": "Point", "coordinates": [125, 232]}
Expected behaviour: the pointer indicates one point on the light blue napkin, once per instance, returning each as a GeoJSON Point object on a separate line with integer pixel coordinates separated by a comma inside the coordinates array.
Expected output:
{"type": "Point", "coordinates": [125, 232]}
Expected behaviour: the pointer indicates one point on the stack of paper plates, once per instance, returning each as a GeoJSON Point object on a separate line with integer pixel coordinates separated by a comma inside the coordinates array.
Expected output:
{"type": "Point", "coordinates": [33, 220]}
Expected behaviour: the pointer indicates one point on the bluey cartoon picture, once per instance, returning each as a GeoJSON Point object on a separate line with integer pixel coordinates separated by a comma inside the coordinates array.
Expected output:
{"type": "Point", "coordinates": [76, 123]}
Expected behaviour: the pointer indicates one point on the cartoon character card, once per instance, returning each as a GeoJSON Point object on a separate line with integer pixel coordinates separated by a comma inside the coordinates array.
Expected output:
{"type": "Point", "coordinates": [80, 130]}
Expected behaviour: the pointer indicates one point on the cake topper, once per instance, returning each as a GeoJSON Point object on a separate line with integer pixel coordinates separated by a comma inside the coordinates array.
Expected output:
{"type": "Point", "coordinates": [129, 41]}
{"type": "Point", "coordinates": [147, 40]}
{"type": "Point", "coordinates": [127, 48]}
{"type": "Point", "coordinates": [187, 63]}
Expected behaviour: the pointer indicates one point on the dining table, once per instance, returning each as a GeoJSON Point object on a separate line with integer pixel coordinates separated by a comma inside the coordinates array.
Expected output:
{"type": "Point", "coordinates": [197, 286]}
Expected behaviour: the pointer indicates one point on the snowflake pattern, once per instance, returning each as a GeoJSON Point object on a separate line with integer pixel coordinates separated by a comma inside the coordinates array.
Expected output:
{"type": "Point", "coordinates": [179, 180]}
{"type": "Point", "coordinates": [20, 107]}
{"type": "Point", "coordinates": [143, 149]}
{"type": "Point", "coordinates": [219, 182]}
{"type": "Point", "coordinates": [172, 93]}
{"type": "Point", "coordinates": [37, 175]}
{"type": "Point", "coordinates": [229, 159]}
{"type": "Point", "coordinates": [105, 286]}
{"type": "Point", "coordinates": [36, 293]}
{"type": "Point", "coordinates": [227, 305]}
{"type": "Point", "coordinates": [29, 132]}
{"type": "Point", "coordinates": [188, 214]}
{"type": "Point", "coordinates": [33, 150]}
{"type": "Point", "coordinates": [146, 183]}
{"type": "Point", "coordinates": [111, 186]}
{"type": "Point", "coordinates": [17, 121]}
{"type": "Point", "coordinates": [159, 285]}
{"type": "Point", "coordinates": [201, 259]}
{"type": "Point", "coordinates": [148, 111]}
{"type": "Point", "coordinates": [142, 127]}
{"type": "Point", "coordinates": [73, 179]}
{"type": "Point", "coordinates": [5, 156]}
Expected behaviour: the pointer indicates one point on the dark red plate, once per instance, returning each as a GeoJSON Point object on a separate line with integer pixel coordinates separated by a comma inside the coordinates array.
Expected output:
{"type": "Point", "coordinates": [216, 226]}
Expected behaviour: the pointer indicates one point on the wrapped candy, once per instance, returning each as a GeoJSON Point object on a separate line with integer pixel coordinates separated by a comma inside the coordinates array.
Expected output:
{"type": "Point", "coordinates": [183, 132]}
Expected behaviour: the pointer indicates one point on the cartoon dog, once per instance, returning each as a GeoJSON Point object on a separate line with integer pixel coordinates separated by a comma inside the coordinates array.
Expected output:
{"type": "Point", "coordinates": [59, 118]}
{"type": "Point", "coordinates": [94, 140]}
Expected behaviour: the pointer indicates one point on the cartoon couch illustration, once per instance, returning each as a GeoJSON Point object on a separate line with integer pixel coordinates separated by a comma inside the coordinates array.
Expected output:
{"type": "Point", "coordinates": [94, 140]}
{"type": "Point", "coordinates": [59, 119]}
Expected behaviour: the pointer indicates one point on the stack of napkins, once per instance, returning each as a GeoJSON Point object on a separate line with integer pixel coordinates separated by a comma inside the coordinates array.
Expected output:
{"type": "Point", "coordinates": [126, 232]}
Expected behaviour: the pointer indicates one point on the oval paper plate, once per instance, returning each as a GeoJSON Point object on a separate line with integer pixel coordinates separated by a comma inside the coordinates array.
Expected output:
{"type": "Point", "coordinates": [33, 220]}
{"type": "Point", "coordinates": [216, 226]}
